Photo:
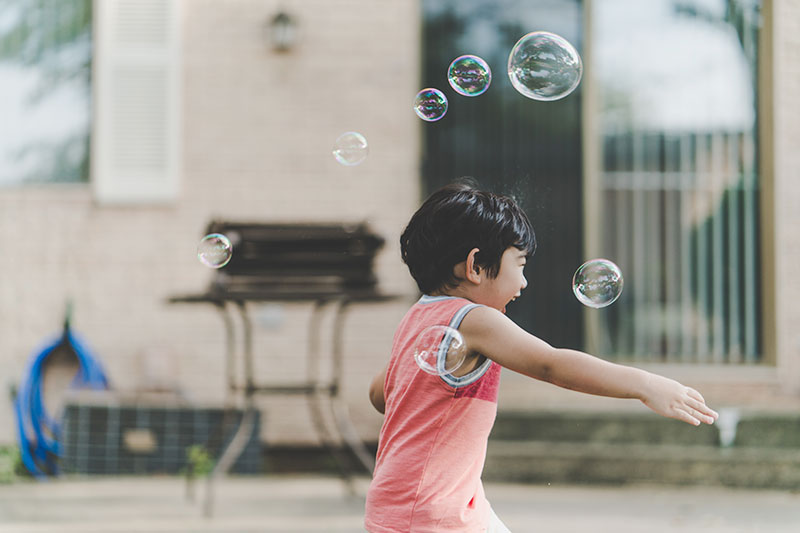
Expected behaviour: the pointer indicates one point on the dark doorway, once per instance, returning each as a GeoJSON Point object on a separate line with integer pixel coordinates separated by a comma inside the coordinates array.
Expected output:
{"type": "Point", "coordinates": [513, 145]}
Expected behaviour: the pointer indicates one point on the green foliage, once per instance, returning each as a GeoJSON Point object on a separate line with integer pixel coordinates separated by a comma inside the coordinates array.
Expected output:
{"type": "Point", "coordinates": [51, 39]}
{"type": "Point", "coordinates": [40, 28]}
{"type": "Point", "coordinates": [10, 464]}
{"type": "Point", "coordinates": [54, 36]}
{"type": "Point", "coordinates": [199, 462]}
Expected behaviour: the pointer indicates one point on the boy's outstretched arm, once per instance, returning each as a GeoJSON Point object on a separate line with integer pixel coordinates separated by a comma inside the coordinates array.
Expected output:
{"type": "Point", "coordinates": [376, 396]}
{"type": "Point", "coordinates": [491, 333]}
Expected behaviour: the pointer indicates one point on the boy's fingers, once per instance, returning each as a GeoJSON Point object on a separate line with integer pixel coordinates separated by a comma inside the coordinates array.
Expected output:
{"type": "Point", "coordinates": [708, 419]}
{"type": "Point", "coordinates": [699, 403]}
{"type": "Point", "coordinates": [684, 415]}
{"type": "Point", "coordinates": [709, 412]}
{"type": "Point", "coordinates": [699, 415]}
{"type": "Point", "coordinates": [703, 409]}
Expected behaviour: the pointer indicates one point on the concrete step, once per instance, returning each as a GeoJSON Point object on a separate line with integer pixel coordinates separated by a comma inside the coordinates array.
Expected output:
{"type": "Point", "coordinates": [593, 463]}
{"type": "Point", "coordinates": [754, 450]}
{"type": "Point", "coordinates": [734, 428]}
{"type": "Point", "coordinates": [613, 448]}
{"type": "Point", "coordinates": [609, 428]}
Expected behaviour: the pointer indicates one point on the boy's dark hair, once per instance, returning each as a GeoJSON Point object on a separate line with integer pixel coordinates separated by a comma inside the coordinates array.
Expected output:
{"type": "Point", "coordinates": [454, 220]}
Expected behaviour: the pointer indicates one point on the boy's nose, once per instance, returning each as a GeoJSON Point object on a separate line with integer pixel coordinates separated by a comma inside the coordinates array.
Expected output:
{"type": "Point", "coordinates": [524, 282]}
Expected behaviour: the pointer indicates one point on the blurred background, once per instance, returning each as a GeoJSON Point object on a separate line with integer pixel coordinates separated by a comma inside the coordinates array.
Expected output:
{"type": "Point", "coordinates": [129, 126]}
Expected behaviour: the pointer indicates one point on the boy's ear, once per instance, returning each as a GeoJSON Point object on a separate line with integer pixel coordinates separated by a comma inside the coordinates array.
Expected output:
{"type": "Point", "coordinates": [473, 270]}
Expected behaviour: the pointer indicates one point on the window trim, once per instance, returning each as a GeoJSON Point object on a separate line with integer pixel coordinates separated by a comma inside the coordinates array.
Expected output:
{"type": "Point", "coordinates": [592, 166]}
{"type": "Point", "coordinates": [111, 182]}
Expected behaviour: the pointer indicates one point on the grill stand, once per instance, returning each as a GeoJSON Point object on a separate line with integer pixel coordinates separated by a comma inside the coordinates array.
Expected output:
{"type": "Point", "coordinates": [333, 426]}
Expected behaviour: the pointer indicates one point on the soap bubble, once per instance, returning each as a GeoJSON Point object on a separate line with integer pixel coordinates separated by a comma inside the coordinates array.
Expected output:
{"type": "Point", "coordinates": [439, 350]}
{"type": "Point", "coordinates": [544, 66]}
{"type": "Point", "coordinates": [350, 148]}
{"type": "Point", "coordinates": [469, 75]}
{"type": "Point", "coordinates": [597, 283]}
{"type": "Point", "coordinates": [430, 104]}
{"type": "Point", "coordinates": [214, 250]}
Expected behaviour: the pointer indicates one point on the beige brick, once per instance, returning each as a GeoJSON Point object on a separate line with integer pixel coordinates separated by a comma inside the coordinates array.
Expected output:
{"type": "Point", "coordinates": [258, 128]}
{"type": "Point", "coordinates": [786, 189]}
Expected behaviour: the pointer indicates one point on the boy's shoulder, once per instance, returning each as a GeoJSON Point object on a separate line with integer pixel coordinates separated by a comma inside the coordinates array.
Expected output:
{"type": "Point", "coordinates": [453, 301]}
{"type": "Point", "coordinates": [441, 308]}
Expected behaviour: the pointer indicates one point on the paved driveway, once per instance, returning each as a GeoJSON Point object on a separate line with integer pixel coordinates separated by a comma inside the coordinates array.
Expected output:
{"type": "Point", "coordinates": [317, 504]}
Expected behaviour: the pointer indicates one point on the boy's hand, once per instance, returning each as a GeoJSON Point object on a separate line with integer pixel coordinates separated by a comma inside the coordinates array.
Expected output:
{"type": "Point", "coordinates": [669, 398]}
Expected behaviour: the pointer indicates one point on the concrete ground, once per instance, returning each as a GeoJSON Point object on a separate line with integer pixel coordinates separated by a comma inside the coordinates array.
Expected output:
{"type": "Point", "coordinates": [321, 504]}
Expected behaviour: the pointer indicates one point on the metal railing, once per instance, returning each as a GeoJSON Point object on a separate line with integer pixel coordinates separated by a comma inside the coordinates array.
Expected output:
{"type": "Point", "coordinates": [680, 218]}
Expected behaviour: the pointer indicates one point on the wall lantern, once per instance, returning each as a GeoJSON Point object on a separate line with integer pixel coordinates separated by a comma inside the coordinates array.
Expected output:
{"type": "Point", "coordinates": [282, 32]}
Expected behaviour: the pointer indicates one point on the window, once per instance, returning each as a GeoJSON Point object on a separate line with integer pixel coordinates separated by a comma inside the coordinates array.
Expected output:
{"type": "Point", "coordinates": [109, 71]}
{"type": "Point", "coordinates": [512, 144]}
{"type": "Point", "coordinates": [676, 194]}
{"type": "Point", "coordinates": [136, 148]}
{"type": "Point", "coordinates": [45, 78]}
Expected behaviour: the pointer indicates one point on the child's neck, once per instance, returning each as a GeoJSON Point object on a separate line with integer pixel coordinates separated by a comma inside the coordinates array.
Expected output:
{"type": "Point", "coordinates": [458, 292]}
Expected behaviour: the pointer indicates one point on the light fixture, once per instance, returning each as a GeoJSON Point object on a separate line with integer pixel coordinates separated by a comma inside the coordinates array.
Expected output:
{"type": "Point", "coordinates": [282, 32]}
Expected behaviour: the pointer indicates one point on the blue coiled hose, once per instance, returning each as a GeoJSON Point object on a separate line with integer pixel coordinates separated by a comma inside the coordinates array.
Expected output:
{"type": "Point", "coordinates": [38, 431]}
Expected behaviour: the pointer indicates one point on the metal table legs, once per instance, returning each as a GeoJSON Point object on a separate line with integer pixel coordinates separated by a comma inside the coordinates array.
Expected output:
{"type": "Point", "coordinates": [333, 427]}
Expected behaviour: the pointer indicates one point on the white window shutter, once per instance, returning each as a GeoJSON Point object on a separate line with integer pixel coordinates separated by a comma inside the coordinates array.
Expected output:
{"type": "Point", "coordinates": [136, 92]}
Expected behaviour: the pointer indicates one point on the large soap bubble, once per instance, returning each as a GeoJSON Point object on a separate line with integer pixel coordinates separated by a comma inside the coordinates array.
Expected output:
{"type": "Point", "coordinates": [439, 350]}
{"type": "Point", "coordinates": [350, 148]}
{"type": "Point", "coordinates": [544, 66]}
{"type": "Point", "coordinates": [469, 75]}
{"type": "Point", "coordinates": [215, 250]}
{"type": "Point", "coordinates": [597, 283]}
{"type": "Point", "coordinates": [430, 104]}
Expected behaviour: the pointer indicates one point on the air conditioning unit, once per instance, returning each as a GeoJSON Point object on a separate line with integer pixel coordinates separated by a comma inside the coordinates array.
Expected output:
{"type": "Point", "coordinates": [141, 438]}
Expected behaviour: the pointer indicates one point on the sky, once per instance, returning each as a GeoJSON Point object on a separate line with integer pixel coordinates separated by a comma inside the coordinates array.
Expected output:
{"type": "Point", "coordinates": [63, 112]}
{"type": "Point", "coordinates": [675, 73]}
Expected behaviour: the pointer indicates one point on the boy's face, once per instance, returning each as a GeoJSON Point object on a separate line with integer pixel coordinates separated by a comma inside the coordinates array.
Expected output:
{"type": "Point", "coordinates": [510, 280]}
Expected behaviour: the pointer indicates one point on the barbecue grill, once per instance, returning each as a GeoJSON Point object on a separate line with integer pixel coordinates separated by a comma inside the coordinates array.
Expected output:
{"type": "Point", "coordinates": [322, 264]}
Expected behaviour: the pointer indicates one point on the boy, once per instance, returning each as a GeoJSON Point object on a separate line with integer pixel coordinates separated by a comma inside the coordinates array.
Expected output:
{"type": "Point", "coordinates": [466, 250]}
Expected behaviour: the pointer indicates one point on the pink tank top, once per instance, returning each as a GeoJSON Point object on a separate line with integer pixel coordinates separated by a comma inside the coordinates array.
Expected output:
{"type": "Point", "coordinates": [432, 444]}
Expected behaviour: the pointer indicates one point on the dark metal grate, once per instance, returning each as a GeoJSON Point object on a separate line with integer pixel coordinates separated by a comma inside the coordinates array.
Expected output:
{"type": "Point", "coordinates": [104, 439]}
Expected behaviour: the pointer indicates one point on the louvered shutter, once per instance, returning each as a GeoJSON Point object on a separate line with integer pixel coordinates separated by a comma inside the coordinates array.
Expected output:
{"type": "Point", "coordinates": [136, 92]}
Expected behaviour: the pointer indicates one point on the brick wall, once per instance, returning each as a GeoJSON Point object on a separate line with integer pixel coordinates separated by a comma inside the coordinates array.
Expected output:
{"type": "Point", "coordinates": [258, 128]}
{"type": "Point", "coordinates": [787, 187]}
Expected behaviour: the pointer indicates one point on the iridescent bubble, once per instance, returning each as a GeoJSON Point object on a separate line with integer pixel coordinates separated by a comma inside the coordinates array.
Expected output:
{"type": "Point", "coordinates": [544, 66]}
{"type": "Point", "coordinates": [430, 104]}
{"type": "Point", "coordinates": [597, 283]}
{"type": "Point", "coordinates": [350, 148]}
{"type": "Point", "coordinates": [214, 250]}
{"type": "Point", "coordinates": [439, 350]}
{"type": "Point", "coordinates": [469, 75]}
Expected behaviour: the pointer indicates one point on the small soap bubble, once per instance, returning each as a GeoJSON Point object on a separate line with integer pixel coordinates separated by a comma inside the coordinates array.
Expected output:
{"type": "Point", "coordinates": [544, 66]}
{"type": "Point", "coordinates": [430, 104]}
{"type": "Point", "coordinates": [597, 283]}
{"type": "Point", "coordinates": [439, 350]}
{"type": "Point", "coordinates": [350, 148]}
{"type": "Point", "coordinates": [469, 75]}
{"type": "Point", "coordinates": [214, 250]}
